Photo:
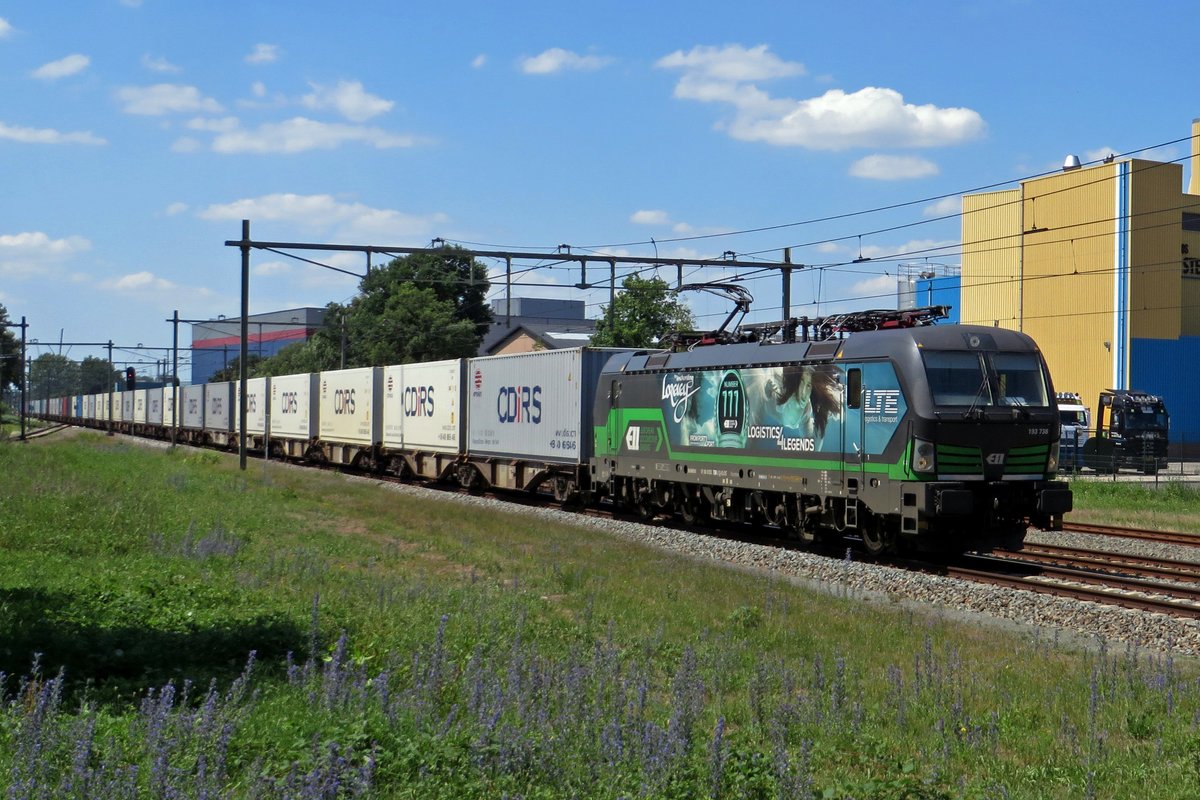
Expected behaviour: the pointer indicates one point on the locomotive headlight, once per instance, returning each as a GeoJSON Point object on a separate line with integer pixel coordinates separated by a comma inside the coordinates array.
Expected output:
{"type": "Point", "coordinates": [923, 460]}
{"type": "Point", "coordinates": [1052, 461]}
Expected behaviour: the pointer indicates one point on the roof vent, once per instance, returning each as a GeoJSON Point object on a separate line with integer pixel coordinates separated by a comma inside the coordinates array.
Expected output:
{"type": "Point", "coordinates": [1071, 162]}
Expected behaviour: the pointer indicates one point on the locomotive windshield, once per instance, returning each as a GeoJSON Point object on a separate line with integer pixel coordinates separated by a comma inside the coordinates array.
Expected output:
{"type": "Point", "coordinates": [979, 379]}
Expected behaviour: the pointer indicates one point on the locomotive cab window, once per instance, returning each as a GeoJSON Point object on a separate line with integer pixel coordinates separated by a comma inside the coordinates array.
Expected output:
{"type": "Point", "coordinates": [1020, 379]}
{"type": "Point", "coordinates": [978, 379]}
{"type": "Point", "coordinates": [957, 379]}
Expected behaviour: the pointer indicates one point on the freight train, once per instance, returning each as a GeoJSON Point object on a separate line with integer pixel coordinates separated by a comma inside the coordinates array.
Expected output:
{"type": "Point", "coordinates": [933, 437]}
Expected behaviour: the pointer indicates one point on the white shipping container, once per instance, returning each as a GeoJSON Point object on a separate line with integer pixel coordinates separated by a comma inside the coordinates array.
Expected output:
{"type": "Point", "coordinates": [127, 405]}
{"type": "Point", "coordinates": [169, 394]}
{"type": "Point", "coordinates": [257, 399]}
{"type": "Point", "coordinates": [534, 405]}
{"type": "Point", "coordinates": [294, 406]}
{"type": "Point", "coordinates": [423, 406]}
{"type": "Point", "coordinates": [351, 406]}
{"type": "Point", "coordinates": [218, 406]}
{"type": "Point", "coordinates": [154, 407]}
{"type": "Point", "coordinates": [89, 406]}
{"type": "Point", "coordinates": [192, 399]}
{"type": "Point", "coordinates": [139, 405]}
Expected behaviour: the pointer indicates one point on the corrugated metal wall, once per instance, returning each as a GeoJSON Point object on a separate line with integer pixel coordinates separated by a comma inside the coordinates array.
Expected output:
{"type": "Point", "coordinates": [1156, 369]}
{"type": "Point", "coordinates": [1067, 266]}
{"type": "Point", "coordinates": [1089, 263]}
{"type": "Point", "coordinates": [1155, 283]}
{"type": "Point", "coordinates": [991, 258]}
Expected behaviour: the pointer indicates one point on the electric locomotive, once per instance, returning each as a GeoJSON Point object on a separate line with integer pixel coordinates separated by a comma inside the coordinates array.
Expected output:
{"type": "Point", "coordinates": [933, 437]}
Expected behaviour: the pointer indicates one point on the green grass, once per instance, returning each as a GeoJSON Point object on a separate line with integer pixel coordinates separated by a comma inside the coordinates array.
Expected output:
{"type": "Point", "coordinates": [1169, 505]}
{"type": "Point", "coordinates": [474, 654]}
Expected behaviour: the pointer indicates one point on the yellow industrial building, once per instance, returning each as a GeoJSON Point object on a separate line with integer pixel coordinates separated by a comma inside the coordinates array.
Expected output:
{"type": "Point", "coordinates": [1100, 264]}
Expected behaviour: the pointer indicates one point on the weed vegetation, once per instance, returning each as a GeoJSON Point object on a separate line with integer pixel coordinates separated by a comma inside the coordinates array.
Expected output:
{"type": "Point", "coordinates": [1168, 504]}
{"type": "Point", "coordinates": [170, 627]}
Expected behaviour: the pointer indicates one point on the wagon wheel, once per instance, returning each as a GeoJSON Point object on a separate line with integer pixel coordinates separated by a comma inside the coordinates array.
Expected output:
{"type": "Point", "coordinates": [565, 490]}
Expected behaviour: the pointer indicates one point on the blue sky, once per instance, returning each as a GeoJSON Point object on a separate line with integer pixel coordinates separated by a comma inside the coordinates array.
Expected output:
{"type": "Point", "coordinates": [135, 135]}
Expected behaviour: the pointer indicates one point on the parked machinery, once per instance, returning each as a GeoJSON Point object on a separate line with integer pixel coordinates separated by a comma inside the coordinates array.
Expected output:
{"type": "Point", "coordinates": [1075, 428]}
{"type": "Point", "coordinates": [1131, 431]}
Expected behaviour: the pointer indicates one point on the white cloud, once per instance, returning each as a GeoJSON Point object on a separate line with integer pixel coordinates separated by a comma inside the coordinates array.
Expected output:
{"type": "Point", "coordinates": [166, 98]}
{"type": "Point", "coordinates": [731, 64]}
{"type": "Point", "coordinates": [272, 268]}
{"type": "Point", "coordinates": [6, 29]}
{"type": "Point", "coordinates": [158, 64]}
{"type": "Point", "coordinates": [187, 144]}
{"type": "Point", "coordinates": [300, 134]}
{"type": "Point", "coordinates": [213, 125]}
{"type": "Point", "coordinates": [874, 289]}
{"type": "Point", "coordinates": [836, 120]}
{"type": "Point", "coordinates": [148, 287]}
{"type": "Point", "coordinates": [64, 67]}
{"type": "Point", "coordinates": [34, 252]}
{"type": "Point", "coordinates": [650, 217]}
{"type": "Point", "coordinates": [349, 99]}
{"type": "Point", "coordinates": [137, 281]}
{"type": "Point", "coordinates": [558, 60]}
{"type": "Point", "coordinates": [944, 207]}
{"type": "Point", "coordinates": [324, 214]}
{"type": "Point", "coordinates": [47, 136]}
{"type": "Point", "coordinates": [175, 209]}
{"type": "Point", "coordinates": [479, 61]}
{"type": "Point", "coordinates": [258, 89]}
{"type": "Point", "coordinates": [263, 54]}
{"type": "Point", "coordinates": [923, 247]}
{"type": "Point", "coordinates": [893, 168]}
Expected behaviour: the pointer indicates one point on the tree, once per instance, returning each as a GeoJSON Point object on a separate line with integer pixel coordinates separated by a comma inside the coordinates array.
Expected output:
{"type": "Point", "coordinates": [410, 324]}
{"type": "Point", "coordinates": [52, 375]}
{"type": "Point", "coordinates": [232, 370]}
{"type": "Point", "coordinates": [453, 275]}
{"type": "Point", "coordinates": [641, 314]}
{"type": "Point", "coordinates": [422, 307]}
{"type": "Point", "coordinates": [11, 368]}
{"type": "Point", "coordinates": [97, 375]}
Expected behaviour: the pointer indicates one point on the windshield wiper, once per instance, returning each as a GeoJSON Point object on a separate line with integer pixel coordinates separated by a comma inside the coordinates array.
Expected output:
{"type": "Point", "coordinates": [975, 410]}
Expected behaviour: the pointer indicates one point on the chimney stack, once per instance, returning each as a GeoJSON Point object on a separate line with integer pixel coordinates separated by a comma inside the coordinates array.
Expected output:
{"type": "Point", "coordinates": [1194, 187]}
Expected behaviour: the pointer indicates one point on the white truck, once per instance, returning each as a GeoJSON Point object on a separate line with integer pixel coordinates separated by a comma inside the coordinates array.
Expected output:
{"type": "Point", "coordinates": [1075, 422]}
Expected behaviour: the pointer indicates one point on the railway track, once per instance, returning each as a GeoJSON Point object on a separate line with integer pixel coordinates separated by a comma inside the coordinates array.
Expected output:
{"type": "Point", "coordinates": [1145, 583]}
{"type": "Point", "coordinates": [1143, 534]}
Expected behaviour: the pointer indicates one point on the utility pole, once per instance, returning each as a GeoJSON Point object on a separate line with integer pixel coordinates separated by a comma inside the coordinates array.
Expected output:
{"type": "Point", "coordinates": [243, 371]}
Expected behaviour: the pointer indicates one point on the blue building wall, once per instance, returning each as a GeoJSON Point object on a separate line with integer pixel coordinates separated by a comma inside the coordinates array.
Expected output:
{"type": "Point", "coordinates": [945, 291]}
{"type": "Point", "coordinates": [207, 361]}
{"type": "Point", "coordinates": [1165, 367]}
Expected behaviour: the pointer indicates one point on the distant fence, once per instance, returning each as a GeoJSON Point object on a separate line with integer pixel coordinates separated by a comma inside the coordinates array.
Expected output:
{"type": "Point", "coordinates": [1133, 455]}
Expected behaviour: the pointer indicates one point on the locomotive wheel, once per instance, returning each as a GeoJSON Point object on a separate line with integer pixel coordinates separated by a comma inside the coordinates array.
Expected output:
{"type": "Point", "coordinates": [693, 510]}
{"type": "Point", "coordinates": [876, 538]}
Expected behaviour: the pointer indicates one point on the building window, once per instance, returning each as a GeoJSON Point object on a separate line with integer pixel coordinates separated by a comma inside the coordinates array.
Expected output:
{"type": "Point", "coordinates": [1191, 222]}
